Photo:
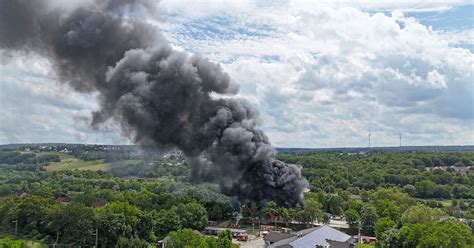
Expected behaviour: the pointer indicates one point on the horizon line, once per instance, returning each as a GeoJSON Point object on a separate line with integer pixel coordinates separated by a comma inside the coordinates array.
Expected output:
{"type": "Point", "coordinates": [276, 147]}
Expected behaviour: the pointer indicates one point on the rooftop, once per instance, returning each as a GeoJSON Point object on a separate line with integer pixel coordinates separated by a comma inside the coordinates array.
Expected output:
{"type": "Point", "coordinates": [312, 237]}
{"type": "Point", "coordinates": [319, 237]}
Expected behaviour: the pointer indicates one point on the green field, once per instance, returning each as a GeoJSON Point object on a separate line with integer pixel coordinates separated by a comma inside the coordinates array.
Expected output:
{"type": "Point", "coordinates": [7, 240]}
{"type": "Point", "coordinates": [445, 203]}
{"type": "Point", "coordinates": [365, 246]}
{"type": "Point", "coordinates": [69, 162]}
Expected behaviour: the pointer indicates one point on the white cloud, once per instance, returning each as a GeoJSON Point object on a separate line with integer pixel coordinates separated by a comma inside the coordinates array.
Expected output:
{"type": "Point", "coordinates": [436, 79]}
{"type": "Point", "coordinates": [36, 108]}
{"type": "Point", "coordinates": [324, 74]}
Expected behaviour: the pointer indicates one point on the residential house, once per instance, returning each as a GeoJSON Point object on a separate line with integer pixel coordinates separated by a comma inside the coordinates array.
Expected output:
{"type": "Point", "coordinates": [21, 193]}
{"type": "Point", "coordinates": [273, 237]}
{"type": "Point", "coordinates": [63, 199]}
{"type": "Point", "coordinates": [316, 237]}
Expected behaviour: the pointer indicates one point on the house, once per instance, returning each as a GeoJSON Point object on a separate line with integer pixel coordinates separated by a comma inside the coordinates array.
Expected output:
{"type": "Point", "coordinates": [273, 237]}
{"type": "Point", "coordinates": [63, 199]}
{"type": "Point", "coordinates": [275, 217]}
{"type": "Point", "coordinates": [98, 204]}
{"type": "Point", "coordinates": [265, 228]}
{"type": "Point", "coordinates": [319, 237]}
{"type": "Point", "coordinates": [368, 239]}
{"type": "Point", "coordinates": [455, 169]}
{"type": "Point", "coordinates": [339, 244]}
{"type": "Point", "coordinates": [353, 190]}
{"type": "Point", "coordinates": [337, 217]}
{"type": "Point", "coordinates": [461, 170]}
{"type": "Point", "coordinates": [21, 193]}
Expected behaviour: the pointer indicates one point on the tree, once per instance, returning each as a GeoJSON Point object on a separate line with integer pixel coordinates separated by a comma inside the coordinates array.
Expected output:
{"type": "Point", "coordinates": [111, 226]}
{"type": "Point", "coordinates": [272, 211]}
{"type": "Point", "coordinates": [447, 234]}
{"type": "Point", "coordinates": [288, 214]}
{"type": "Point", "coordinates": [460, 191]}
{"type": "Point", "coordinates": [219, 210]}
{"type": "Point", "coordinates": [192, 215]}
{"type": "Point", "coordinates": [400, 199]}
{"type": "Point", "coordinates": [186, 238]}
{"type": "Point", "coordinates": [145, 227]}
{"type": "Point", "coordinates": [4, 190]}
{"type": "Point", "coordinates": [334, 205]}
{"type": "Point", "coordinates": [364, 195]}
{"type": "Point", "coordinates": [442, 191]}
{"type": "Point", "coordinates": [30, 214]}
{"type": "Point", "coordinates": [73, 224]}
{"type": "Point", "coordinates": [438, 162]}
{"type": "Point", "coordinates": [225, 239]}
{"type": "Point", "coordinates": [409, 189]}
{"type": "Point", "coordinates": [389, 239]}
{"type": "Point", "coordinates": [353, 204]}
{"type": "Point", "coordinates": [387, 208]}
{"type": "Point", "coordinates": [368, 218]}
{"type": "Point", "coordinates": [425, 188]}
{"type": "Point", "coordinates": [165, 221]}
{"type": "Point", "coordinates": [125, 215]}
{"type": "Point", "coordinates": [382, 225]}
{"type": "Point", "coordinates": [409, 235]}
{"type": "Point", "coordinates": [126, 243]}
{"type": "Point", "coordinates": [311, 212]}
{"type": "Point", "coordinates": [86, 198]}
{"type": "Point", "coordinates": [325, 218]}
{"type": "Point", "coordinates": [421, 214]}
{"type": "Point", "coordinates": [352, 218]}
{"type": "Point", "coordinates": [7, 242]}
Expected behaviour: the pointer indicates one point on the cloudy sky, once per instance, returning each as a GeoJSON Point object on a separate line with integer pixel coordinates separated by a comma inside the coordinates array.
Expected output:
{"type": "Point", "coordinates": [322, 74]}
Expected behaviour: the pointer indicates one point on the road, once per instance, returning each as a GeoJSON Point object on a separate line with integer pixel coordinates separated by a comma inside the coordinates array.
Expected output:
{"type": "Point", "coordinates": [254, 242]}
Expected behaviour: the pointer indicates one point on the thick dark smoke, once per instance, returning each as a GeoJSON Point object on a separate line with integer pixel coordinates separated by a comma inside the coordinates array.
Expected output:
{"type": "Point", "coordinates": [161, 97]}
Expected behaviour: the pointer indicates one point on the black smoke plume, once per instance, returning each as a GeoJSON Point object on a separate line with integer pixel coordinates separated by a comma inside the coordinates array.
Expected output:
{"type": "Point", "coordinates": [160, 96]}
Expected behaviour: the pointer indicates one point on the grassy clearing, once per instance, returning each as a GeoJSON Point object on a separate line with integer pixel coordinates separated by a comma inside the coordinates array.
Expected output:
{"type": "Point", "coordinates": [60, 154]}
{"type": "Point", "coordinates": [446, 203]}
{"type": "Point", "coordinates": [7, 240]}
{"type": "Point", "coordinates": [365, 246]}
{"type": "Point", "coordinates": [69, 162]}
{"type": "Point", "coordinates": [127, 161]}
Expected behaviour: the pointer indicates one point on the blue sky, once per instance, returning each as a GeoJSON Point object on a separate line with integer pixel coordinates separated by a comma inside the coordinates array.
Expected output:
{"type": "Point", "coordinates": [321, 73]}
{"type": "Point", "coordinates": [455, 18]}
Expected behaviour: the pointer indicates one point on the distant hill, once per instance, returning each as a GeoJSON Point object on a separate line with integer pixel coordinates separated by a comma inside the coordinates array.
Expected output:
{"type": "Point", "coordinates": [467, 148]}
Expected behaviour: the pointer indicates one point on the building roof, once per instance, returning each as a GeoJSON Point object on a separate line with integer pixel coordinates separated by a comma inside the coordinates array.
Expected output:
{"type": "Point", "coordinates": [319, 237]}
{"type": "Point", "coordinates": [285, 243]}
{"type": "Point", "coordinates": [339, 244]}
{"type": "Point", "coordinates": [63, 198]}
{"type": "Point", "coordinates": [273, 237]}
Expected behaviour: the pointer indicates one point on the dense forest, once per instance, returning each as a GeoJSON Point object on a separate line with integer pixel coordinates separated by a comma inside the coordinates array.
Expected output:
{"type": "Point", "coordinates": [73, 194]}
{"type": "Point", "coordinates": [421, 174]}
